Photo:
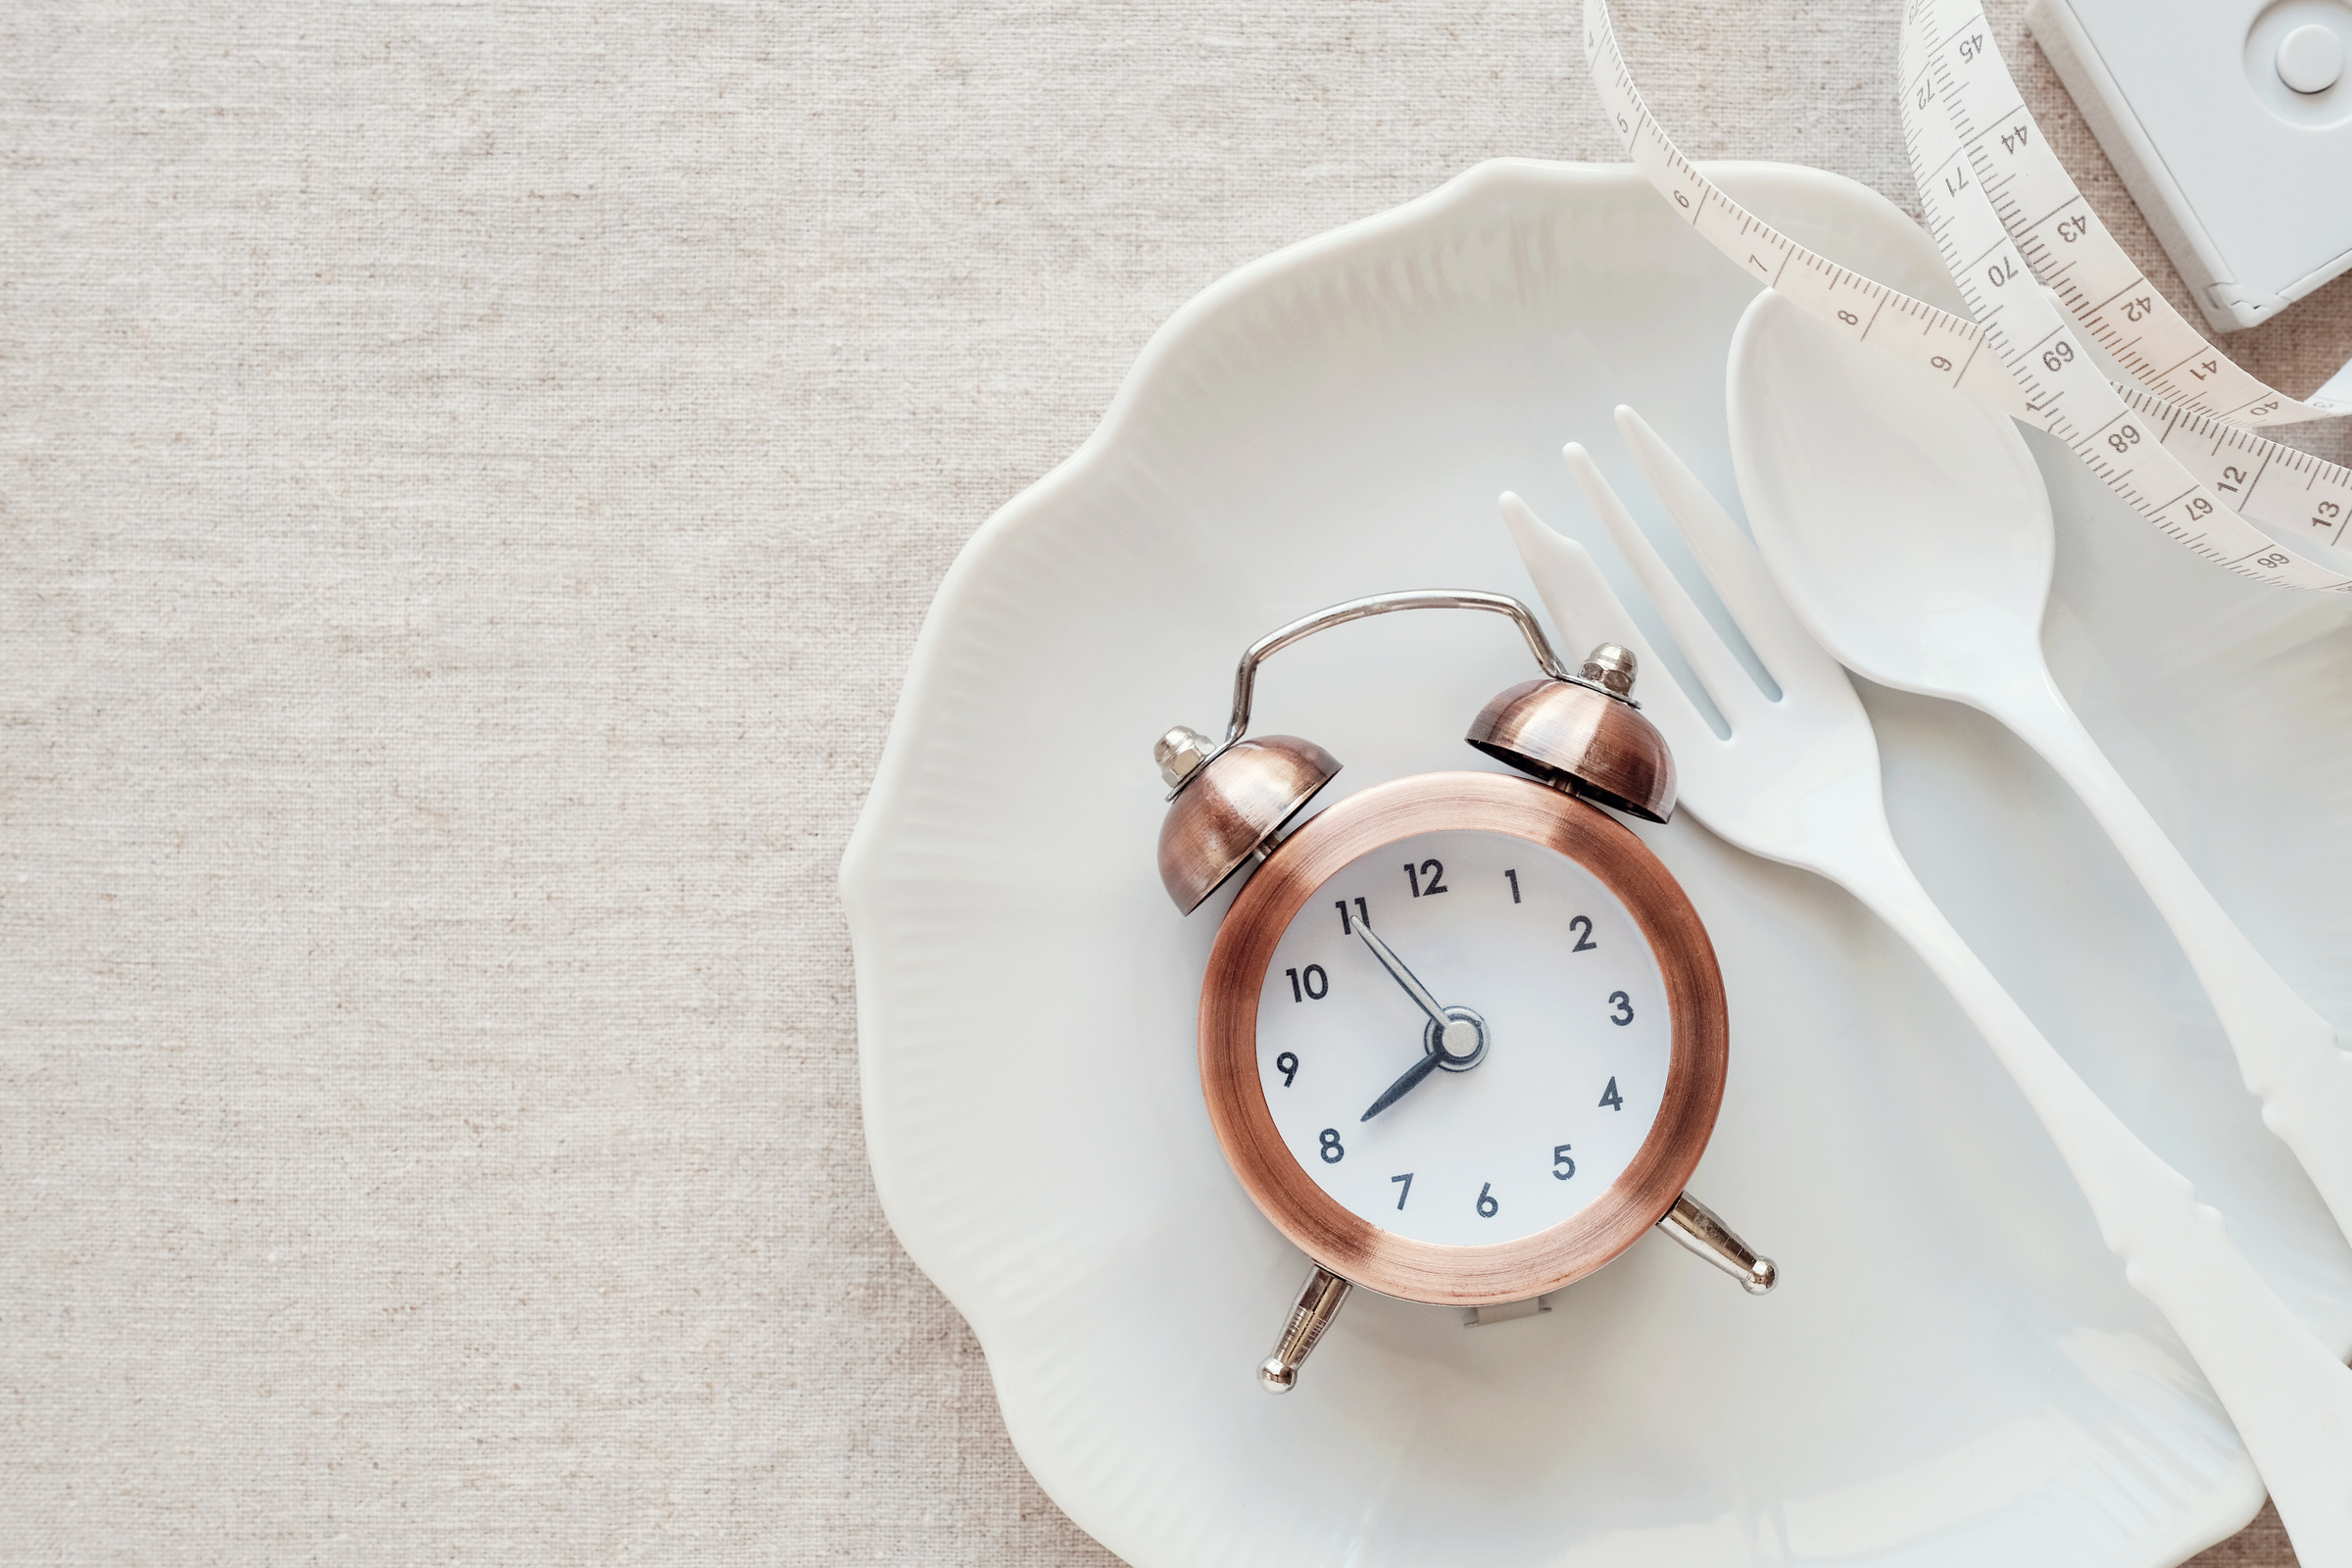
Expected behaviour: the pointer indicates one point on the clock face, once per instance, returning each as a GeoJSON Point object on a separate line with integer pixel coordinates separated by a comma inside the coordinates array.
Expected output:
{"type": "Point", "coordinates": [1549, 1071]}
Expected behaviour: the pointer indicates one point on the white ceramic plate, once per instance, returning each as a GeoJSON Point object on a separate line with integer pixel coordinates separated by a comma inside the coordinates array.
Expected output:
{"type": "Point", "coordinates": [1954, 1370]}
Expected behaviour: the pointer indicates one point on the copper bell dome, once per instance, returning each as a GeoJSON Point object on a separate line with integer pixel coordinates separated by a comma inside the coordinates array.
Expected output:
{"type": "Point", "coordinates": [1586, 736]}
{"type": "Point", "coordinates": [1229, 802]}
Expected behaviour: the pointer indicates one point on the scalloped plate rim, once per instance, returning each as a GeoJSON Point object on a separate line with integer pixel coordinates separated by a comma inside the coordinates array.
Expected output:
{"type": "Point", "coordinates": [862, 858]}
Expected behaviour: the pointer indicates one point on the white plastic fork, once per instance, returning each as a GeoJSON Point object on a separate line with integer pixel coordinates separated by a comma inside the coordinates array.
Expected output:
{"type": "Point", "coordinates": [1798, 781]}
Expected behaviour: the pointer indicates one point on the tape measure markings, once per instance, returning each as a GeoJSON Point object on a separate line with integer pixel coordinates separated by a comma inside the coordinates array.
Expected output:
{"type": "Point", "coordinates": [1947, 347]}
{"type": "Point", "coordinates": [2032, 166]}
{"type": "Point", "coordinates": [1959, 177]}
{"type": "Point", "coordinates": [2072, 398]}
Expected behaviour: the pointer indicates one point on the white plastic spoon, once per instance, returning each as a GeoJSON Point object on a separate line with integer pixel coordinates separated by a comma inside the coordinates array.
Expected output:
{"type": "Point", "coordinates": [1909, 529]}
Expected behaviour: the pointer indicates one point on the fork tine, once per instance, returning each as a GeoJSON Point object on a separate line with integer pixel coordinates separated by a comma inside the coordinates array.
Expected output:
{"type": "Point", "coordinates": [1587, 611]}
{"type": "Point", "coordinates": [1728, 558]}
{"type": "Point", "coordinates": [1735, 692]}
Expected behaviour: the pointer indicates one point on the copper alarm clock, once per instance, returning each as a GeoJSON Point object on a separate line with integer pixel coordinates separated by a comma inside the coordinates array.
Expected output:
{"type": "Point", "coordinates": [1462, 1036]}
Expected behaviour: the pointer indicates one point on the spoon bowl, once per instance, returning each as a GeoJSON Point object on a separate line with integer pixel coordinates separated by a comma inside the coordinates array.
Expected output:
{"type": "Point", "coordinates": [1906, 523]}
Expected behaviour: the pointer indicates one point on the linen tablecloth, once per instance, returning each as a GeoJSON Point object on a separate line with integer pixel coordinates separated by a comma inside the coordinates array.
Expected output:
{"type": "Point", "coordinates": [472, 477]}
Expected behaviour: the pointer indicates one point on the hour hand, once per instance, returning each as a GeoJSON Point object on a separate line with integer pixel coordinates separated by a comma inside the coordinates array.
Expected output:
{"type": "Point", "coordinates": [1405, 977]}
{"type": "Point", "coordinates": [1401, 1086]}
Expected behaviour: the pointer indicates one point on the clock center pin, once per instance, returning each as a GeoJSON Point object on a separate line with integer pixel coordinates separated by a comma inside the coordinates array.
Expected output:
{"type": "Point", "coordinates": [1462, 1043]}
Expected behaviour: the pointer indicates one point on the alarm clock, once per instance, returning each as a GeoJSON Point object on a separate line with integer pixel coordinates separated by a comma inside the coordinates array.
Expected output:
{"type": "Point", "coordinates": [1462, 1036]}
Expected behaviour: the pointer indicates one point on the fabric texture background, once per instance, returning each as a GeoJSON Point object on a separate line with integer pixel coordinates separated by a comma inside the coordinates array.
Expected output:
{"type": "Point", "coordinates": [469, 479]}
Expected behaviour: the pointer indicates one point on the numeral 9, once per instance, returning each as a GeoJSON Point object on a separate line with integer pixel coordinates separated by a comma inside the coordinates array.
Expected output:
{"type": "Point", "coordinates": [1287, 1064]}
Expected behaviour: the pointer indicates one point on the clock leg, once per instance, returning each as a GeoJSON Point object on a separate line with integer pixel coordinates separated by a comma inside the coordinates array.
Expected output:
{"type": "Point", "coordinates": [1318, 1304]}
{"type": "Point", "coordinates": [1695, 1225]}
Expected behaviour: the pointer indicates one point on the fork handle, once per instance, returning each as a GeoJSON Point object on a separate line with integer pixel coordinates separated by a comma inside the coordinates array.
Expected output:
{"type": "Point", "coordinates": [2286, 1053]}
{"type": "Point", "coordinates": [2290, 1398]}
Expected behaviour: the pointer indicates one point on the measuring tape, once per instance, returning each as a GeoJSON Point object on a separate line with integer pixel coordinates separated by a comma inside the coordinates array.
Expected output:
{"type": "Point", "coordinates": [2180, 448]}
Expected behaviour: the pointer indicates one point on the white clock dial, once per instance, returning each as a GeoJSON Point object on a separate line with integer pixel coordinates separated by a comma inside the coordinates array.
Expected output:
{"type": "Point", "coordinates": [1553, 1068]}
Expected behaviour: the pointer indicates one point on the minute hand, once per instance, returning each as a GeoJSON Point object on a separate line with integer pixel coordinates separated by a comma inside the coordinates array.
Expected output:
{"type": "Point", "coordinates": [1405, 977]}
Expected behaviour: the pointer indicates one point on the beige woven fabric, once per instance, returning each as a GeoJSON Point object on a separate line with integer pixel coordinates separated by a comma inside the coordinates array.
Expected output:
{"type": "Point", "coordinates": [470, 478]}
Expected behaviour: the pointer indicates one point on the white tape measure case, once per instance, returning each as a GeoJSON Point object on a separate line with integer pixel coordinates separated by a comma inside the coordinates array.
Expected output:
{"type": "Point", "coordinates": [2231, 122]}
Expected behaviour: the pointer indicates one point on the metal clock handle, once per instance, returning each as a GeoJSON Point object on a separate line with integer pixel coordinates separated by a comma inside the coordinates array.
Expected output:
{"type": "Point", "coordinates": [1245, 678]}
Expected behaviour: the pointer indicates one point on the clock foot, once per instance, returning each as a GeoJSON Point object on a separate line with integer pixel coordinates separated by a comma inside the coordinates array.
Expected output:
{"type": "Point", "coordinates": [1318, 1303]}
{"type": "Point", "coordinates": [1695, 1225]}
{"type": "Point", "coordinates": [1478, 1317]}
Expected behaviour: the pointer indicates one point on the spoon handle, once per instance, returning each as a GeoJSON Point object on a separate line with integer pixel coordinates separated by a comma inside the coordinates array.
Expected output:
{"type": "Point", "coordinates": [2286, 1053]}
{"type": "Point", "coordinates": [2289, 1398]}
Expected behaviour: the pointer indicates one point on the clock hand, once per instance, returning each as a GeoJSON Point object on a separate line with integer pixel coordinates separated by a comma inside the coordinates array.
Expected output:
{"type": "Point", "coordinates": [1401, 1086]}
{"type": "Point", "coordinates": [1447, 1031]}
{"type": "Point", "coordinates": [1405, 977]}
